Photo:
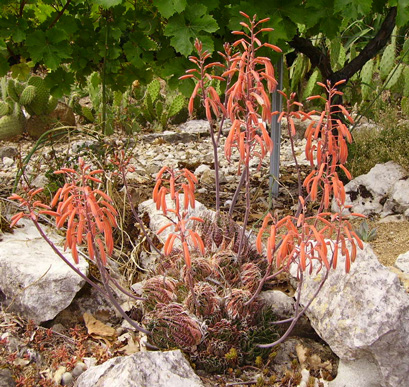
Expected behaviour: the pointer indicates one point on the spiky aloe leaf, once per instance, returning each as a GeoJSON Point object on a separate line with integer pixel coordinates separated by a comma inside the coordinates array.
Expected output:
{"type": "Point", "coordinates": [387, 61]}
{"type": "Point", "coordinates": [405, 73]}
{"type": "Point", "coordinates": [405, 52]}
{"type": "Point", "coordinates": [149, 111]}
{"type": "Point", "coordinates": [405, 106]}
{"type": "Point", "coordinates": [153, 89]}
{"type": "Point", "coordinates": [87, 113]}
{"type": "Point", "coordinates": [311, 84]}
{"type": "Point", "coordinates": [176, 106]}
{"type": "Point", "coordinates": [394, 75]}
{"type": "Point", "coordinates": [172, 326]}
{"type": "Point", "coordinates": [298, 68]}
{"type": "Point", "coordinates": [51, 104]}
{"type": "Point", "coordinates": [118, 98]}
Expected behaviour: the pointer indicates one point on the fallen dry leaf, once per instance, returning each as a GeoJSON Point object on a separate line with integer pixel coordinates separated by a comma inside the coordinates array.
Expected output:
{"type": "Point", "coordinates": [97, 328]}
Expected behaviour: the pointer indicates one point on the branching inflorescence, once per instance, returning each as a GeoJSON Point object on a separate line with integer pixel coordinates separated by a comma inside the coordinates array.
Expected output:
{"type": "Point", "coordinates": [221, 289]}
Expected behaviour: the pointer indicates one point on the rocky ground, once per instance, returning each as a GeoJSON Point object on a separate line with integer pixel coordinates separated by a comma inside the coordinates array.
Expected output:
{"type": "Point", "coordinates": [70, 343]}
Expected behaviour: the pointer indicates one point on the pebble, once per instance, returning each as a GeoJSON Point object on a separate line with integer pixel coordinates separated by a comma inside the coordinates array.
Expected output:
{"type": "Point", "coordinates": [7, 161]}
{"type": "Point", "coordinates": [67, 379]}
{"type": "Point", "coordinates": [79, 368]}
{"type": "Point", "coordinates": [58, 374]}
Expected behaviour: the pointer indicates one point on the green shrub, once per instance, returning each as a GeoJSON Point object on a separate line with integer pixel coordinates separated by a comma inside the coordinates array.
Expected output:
{"type": "Point", "coordinates": [372, 146]}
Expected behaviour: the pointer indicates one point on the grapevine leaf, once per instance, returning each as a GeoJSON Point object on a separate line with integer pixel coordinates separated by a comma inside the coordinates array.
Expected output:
{"type": "Point", "coordinates": [107, 3]}
{"type": "Point", "coordinates": [59, 82]}
{"type": "Point", "coordinates": [50, 47]}
{"type": "Point", "coordinates": [19, 35]}
{"type": "Point", "coordinates": [402, 16]}
{"type": "Point", "coordinates": [168, 8]}
{"type": "Point", "coordinates": [353, 8]}
{"type": "Point", "coordinates": [21, 70]}
{"type": "Point", "coordinates": [184, 28]}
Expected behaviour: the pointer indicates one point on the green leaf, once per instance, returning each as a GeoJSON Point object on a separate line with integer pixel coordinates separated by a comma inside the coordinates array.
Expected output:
{"type": "Point", "coordinates": [21, 70]}
{"type": "Point", "coordinates": [49, 48]}
{"type": "Point", "coordinates": [107, 3]}
{"type": "Point", "coordinates": [59, 82]}
{"type": "Point", "coordinates": [167, 8]}
{"type": "Point", "coordinates": [186, 27]}
{"type": "Point", "coordinates": [353, 8]}
{"type": "Point", "coordinates": [18, 35]}
{"type": "Point", "coordinates": [402, 16]}
{"type": "Point", "coordinates": [4, 66]}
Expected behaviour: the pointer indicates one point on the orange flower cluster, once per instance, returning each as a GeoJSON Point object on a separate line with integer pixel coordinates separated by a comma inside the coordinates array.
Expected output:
{"type": "Point", "coordinates": [87, 213]}
{"type": "Point", "coordinates": [248, 98]}
{"type": "Point", "coordinates": [178, 181]}
{"type": "Point", "coordinates": [302, 239]}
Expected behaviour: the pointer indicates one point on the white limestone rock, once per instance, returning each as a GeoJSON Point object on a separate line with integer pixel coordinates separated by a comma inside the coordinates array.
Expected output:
{"type": "Point", "coordinates": [35, 281]}
{"type": "Point", "coordinates": [142, 369]}
{"type": "Point", "coordinates": [368, 193]}
{"type": "Point", "coordinates": [363, 316]}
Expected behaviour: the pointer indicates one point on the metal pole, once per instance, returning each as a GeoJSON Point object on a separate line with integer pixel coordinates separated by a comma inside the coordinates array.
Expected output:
{"type": "Point", "coordinates": [276, 133]}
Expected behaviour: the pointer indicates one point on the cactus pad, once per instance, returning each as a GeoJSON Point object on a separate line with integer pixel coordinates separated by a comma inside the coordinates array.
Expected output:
{"type": "Point", "coordinates": [387, 61]}
{"type": "Point", "coordinates": [27, 95]}
{"type": "Point", "coordinates": [176, 106]}
{"type": "Point", "coordinates": [10, 126]}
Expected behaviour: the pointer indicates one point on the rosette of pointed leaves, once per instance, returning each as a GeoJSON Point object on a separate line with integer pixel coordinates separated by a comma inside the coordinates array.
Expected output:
{"type": "Point", "coordinates": [172, 326]}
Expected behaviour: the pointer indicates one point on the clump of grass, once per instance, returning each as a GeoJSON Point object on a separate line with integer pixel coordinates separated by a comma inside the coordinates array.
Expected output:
{"type": "Point", "coordinates": [372, 146]}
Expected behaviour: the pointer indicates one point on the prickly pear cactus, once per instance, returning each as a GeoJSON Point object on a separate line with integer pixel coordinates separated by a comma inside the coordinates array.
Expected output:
{"type": "Point", "coordinates": [12, 124]}
{"type": "Point", "coordinates": [176, 106]}
{"type": "Point", "coordinates": [387, 61]}
{"type": "Point", "coordinates": [27, 95]}
{"type": "Point", "coordinates": [153, 89]}
{"type": "Point", "coordinates": [366, 77]}
{"type": "Point", "coordinates": [12, 120]}
{"type": "Point", "coordinates": [38, 105]}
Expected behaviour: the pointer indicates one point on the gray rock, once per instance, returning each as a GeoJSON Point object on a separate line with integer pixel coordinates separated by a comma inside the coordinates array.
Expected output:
{"type": "Point", "coordinates": [282, 304]}
{"type": "Point", "coordinates": [6, 379]}
{"type": "Point", "coordinates": [363, 316]}
{"type": "Point", "coordinates": [36, 282]}
{"type": "Point", "coordinates": [79, 368]}
{"type": "Point", "coordinates": [7, 161]}
{"type": "Point", "coordinates": [8, 151]}
{"type": "Point", "coordinates": [402, 262]}
{"type": "Point", "coordinates": [368, 193]}
{"type": "Point", "coordinates": [67, 379]}
{"type": "Point", "coordinates": [400, 196]}
{"type": "Point", "coordinates": [170, 137]}
{"type": "Point", "coordinates": [360, 373]}
{"type": "Point", "coordinates": [142, 369]}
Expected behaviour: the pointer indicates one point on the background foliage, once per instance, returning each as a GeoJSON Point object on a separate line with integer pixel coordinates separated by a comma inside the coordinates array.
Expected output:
{"type": "Point", "coordinates": [129, 39]}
